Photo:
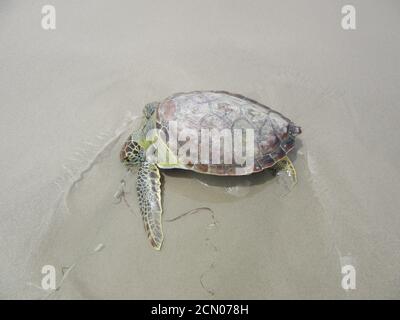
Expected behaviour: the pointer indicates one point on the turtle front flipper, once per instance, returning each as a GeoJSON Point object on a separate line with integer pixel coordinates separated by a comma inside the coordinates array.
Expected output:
{"type": "Point", "coordinates": [149, 194]}
{"type": "Point", "coordinates": [286, 167]}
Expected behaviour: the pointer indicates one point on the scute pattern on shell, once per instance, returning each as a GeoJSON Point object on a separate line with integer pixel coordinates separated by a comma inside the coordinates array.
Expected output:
{"type": "Point", "coordinates": [223, 110]}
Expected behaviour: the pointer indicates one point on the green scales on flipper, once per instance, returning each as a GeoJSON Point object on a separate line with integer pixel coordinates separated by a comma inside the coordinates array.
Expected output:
{"type": "Point", "coordinates": [286, 166]}
{"type": "Point", "coordinates": [149, 193]}
{"type": "Point", "coordinates": [274, 137]}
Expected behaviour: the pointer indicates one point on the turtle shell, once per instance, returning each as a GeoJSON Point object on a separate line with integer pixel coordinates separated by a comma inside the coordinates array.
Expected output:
{"type": "Point", "coordinates": [274, 134]}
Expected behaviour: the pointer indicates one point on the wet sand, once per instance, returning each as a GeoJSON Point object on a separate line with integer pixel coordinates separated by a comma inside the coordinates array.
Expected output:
{"type": "Point", "coordinates": [72, 95]}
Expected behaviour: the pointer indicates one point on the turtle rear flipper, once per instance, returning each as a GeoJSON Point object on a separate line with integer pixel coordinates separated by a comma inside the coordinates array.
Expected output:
{"type": "Point", "coordinates": [149, 194]}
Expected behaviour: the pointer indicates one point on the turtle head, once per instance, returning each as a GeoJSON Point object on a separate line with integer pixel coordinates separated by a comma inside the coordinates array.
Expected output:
{"type": "Point", "coordinates": [131, 153]}
{"type": "Point", "coordinates": [293, 129]}
{"type": "Point", "coordinates": [283, 126]}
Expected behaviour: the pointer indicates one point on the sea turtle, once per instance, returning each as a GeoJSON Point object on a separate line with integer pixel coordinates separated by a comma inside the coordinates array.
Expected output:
{"type": "Point", "coordinates": [273, 137]}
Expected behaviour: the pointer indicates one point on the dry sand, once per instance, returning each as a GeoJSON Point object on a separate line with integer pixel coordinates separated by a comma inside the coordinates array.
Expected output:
{"type": "Point", "coordinates": [70, 97]}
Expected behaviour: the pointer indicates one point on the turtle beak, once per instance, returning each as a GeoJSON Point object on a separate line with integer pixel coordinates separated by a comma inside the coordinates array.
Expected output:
{"type": "Point", "coordinates": [294, 130]}
{"type": "Point", "coordinates": [122, 155]}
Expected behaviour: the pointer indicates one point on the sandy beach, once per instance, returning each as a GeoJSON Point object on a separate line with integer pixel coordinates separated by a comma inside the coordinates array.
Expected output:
{"type": "Point", "coordinates": [72, 95]}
